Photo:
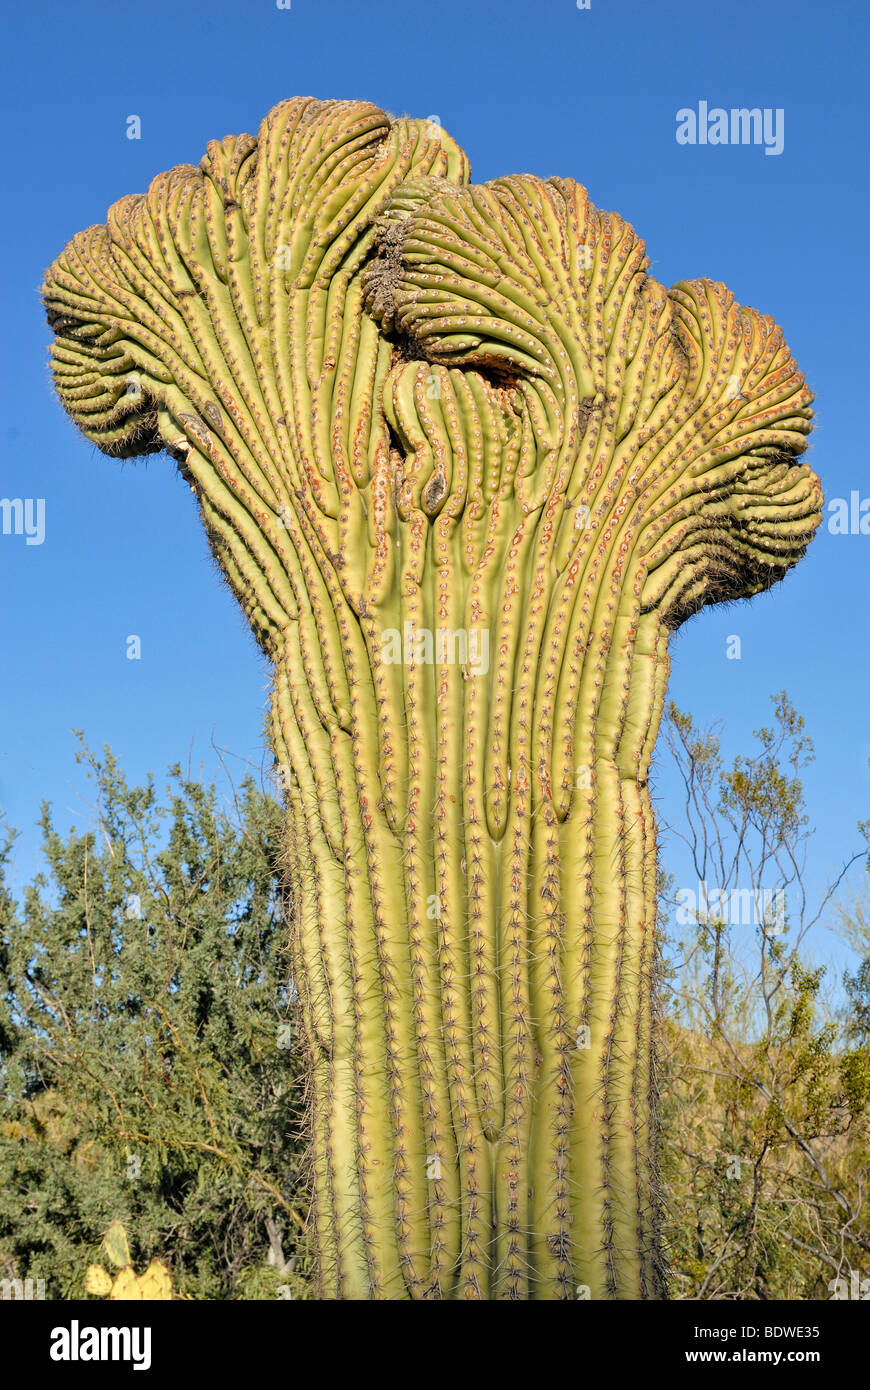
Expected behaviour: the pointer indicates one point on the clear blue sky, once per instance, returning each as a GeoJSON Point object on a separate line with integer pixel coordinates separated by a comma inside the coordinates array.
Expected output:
{"type": "Point", "coordinates": [537, 87]}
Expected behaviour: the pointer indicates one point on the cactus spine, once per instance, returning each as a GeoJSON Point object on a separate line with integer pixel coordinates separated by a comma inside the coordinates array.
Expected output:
{"type": "Point", "coordinates": [465, 465]}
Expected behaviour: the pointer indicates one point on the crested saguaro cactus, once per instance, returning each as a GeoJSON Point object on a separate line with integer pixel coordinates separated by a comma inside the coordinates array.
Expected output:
{"type": "Point", "coordinates": [466, 466]}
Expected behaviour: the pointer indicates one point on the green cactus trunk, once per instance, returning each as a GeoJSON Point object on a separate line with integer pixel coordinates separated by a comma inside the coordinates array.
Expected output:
{"type": "Point", "coordinates": [476, 957]}
{"type": "Point", "coordinates": [466, 466]}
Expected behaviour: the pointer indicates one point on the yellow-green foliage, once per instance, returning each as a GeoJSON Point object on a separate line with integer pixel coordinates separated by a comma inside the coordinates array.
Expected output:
{"type": "Point", "coordinates": [765, 1157]}
{"type": "Point", "coordinates": [154, 1284]}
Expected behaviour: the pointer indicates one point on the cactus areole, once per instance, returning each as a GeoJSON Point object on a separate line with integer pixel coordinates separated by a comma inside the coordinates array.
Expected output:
{"type": "Point", "coordinates": [466, 466]}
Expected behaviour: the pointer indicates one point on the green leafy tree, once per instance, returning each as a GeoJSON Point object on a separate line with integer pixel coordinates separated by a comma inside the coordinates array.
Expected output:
{"type": "Point", "coordinates": [149, 1046]}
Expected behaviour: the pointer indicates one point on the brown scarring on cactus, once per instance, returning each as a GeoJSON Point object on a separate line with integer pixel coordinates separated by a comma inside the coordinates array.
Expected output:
{"type": "Point", "coordinates": [465, 465]}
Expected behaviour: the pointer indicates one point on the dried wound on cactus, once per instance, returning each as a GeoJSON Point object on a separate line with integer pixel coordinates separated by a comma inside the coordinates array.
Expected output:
{"type": "Point", "coordinates": [465, 465]}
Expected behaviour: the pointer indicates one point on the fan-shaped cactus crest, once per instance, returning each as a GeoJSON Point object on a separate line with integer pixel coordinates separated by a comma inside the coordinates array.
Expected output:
{"type": "Point", "coordinates": [466, 465]}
